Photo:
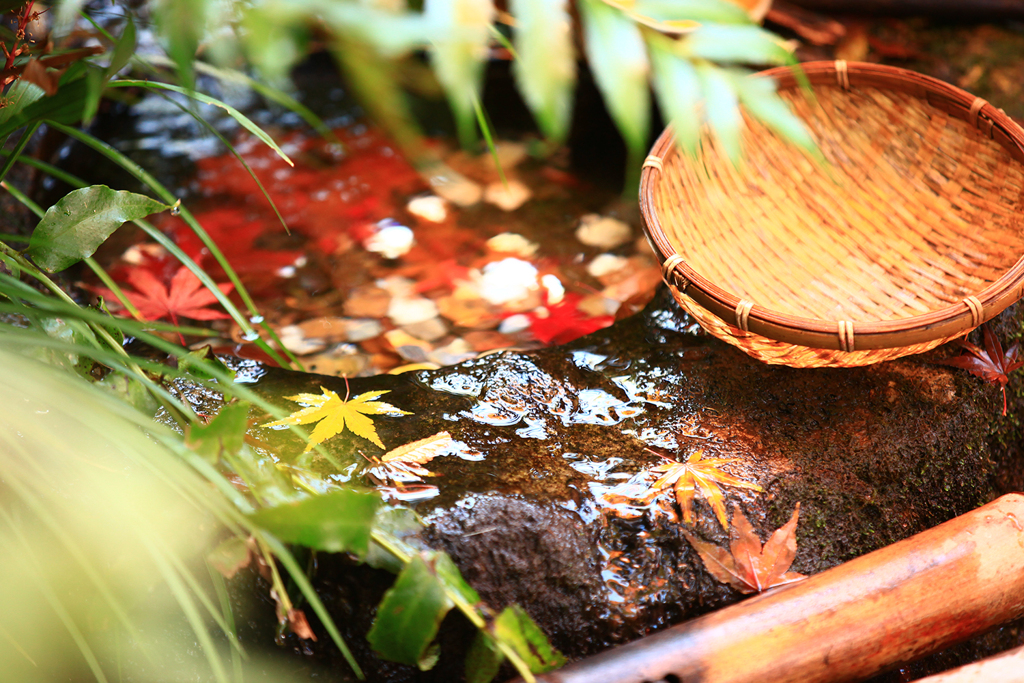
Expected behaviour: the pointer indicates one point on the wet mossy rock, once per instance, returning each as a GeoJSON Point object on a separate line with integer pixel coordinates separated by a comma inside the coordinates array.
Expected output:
{"type": "Point", "coordinates": [526, 503]}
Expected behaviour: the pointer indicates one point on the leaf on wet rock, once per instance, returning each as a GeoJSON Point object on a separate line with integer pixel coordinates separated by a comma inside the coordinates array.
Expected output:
{"type": "Point", "coordinates": [339, 521]}
{"type": "Point", "coordinates": [696, 475]}
{"type": "Point", "coordinates": [335, 415]}
{"type": "Point", "coordinates": [747, 566]}
{"type": "Point", "coordinates": [418, 452]}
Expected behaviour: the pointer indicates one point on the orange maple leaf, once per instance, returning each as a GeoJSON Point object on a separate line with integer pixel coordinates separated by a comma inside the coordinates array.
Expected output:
{"type": "Point", "coordinates": [185, 298]}
{"type": "Point", "coordinates": [747, 566]}
{"type": "Point", "coordinates": [696, 475]}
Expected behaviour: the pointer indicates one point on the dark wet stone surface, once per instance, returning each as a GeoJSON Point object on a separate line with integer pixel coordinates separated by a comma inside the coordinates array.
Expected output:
{"type": "Point", "coordinates": [873, 455]}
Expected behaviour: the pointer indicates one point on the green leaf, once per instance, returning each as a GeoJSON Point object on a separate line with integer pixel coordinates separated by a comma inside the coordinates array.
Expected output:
{"type": "Point", "coordinates": [64, 107]}
{"type": "Point", "coordinates": [410, 614]}
{"type": "Point", "coordinates": [131, 391]}
{"type": "Point", "coordinates": [94, 81]}
{"type": "Point", "coordinates": [124, 49]}
{"type": "Point", "coordinates": [20, 95]}
{"type": "Point", "coordinates": [336, 522]}
{"type": "Point", "coordinates": [483, 659]}
{"type": "Point", "coordinates": [202, 363]}
{"type": "Point", "coordinates": [452, 579]}
{"type": "Point", "coordinates": [758, 96]}
{"type": "Point", "coordinates": [738, 45]}
{"type": "Point", "coordinates": [678, 90]}
{"type": "Point", "coordinates": [206, 99]}
{"type": "Point", "coordinates": [722, 109]}
{"type": "Point", "coordinates": [545, 68]}
{"type": "Point", "coordinates": [181, 24]}
{"type": "Point", "coordinates": [717, 11]}
{"type": "Point", "coordinates": [459, 34]}
{"type": "Point", "coordinates": [224, 434]}
{"type": "Point", "coordinates": [274, 40]}
{"type": "Point", "coordinates": [79, 222]}
{"type": "Point", "coordinates": [397, 524]}
{"type": "Point", "coordinates": [615, 50]}
{"type": "Point", "coordinates": [515, 628]}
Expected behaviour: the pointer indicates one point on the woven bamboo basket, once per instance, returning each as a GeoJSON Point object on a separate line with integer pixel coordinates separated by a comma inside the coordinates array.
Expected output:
{"type": "Point", "coordinates": [912, 233]}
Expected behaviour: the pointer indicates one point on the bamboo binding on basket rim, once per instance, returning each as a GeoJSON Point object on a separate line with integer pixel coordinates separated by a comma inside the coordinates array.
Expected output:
{"type": "Point", "coordinates": [772, 318]}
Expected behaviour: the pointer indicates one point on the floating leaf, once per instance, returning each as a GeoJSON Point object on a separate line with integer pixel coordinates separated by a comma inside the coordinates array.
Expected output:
{"type": "Point", "coordinates": [339, 521]}
{"type": "Point", "coordinates": [545, 67]}
{"type": "Point", "coordinates": [74, 227]}
{"type": "Point", "coordinates": [403, 463]}
{"type": "Point", "coordinates": [747, 566]}
{"type": "Point", "coordinates": [185, 298]}
{"type": "Point", "coordinates": [616, 53]}
{"type": "Point", "coordinates": [410, 613]}
{"type": "Point", "coordinates": [990, 363]}
{"type": "Point", "coordinates": [696, 475]}
{"type": "Point", "coordinates": [335, 415]}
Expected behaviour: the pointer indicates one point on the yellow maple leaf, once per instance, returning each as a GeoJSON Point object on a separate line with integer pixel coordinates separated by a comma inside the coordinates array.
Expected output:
{"type": "Point", "coordinates": [696, 475]}
{"type": "Point", "coordinates": [335, 415]}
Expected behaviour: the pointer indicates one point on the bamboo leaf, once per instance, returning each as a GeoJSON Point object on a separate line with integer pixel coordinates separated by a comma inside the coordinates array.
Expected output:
{"type": "Point", "coordinates": [716, 11]}
{"type": "Point", "coordinates": [615, 51]}
{"type": "Point", "coordinates": [678, 90]}
{"type": "Point", "coordinates": [459, 34]}
{"type": "Point", "coordinates": [410, 614]}
{"type": "Point", "coordinates": [758, 96]}
{"type": "Point", "coordinates": [78, 224]}
{"type": "Point", "coordinates": [737, 45]}
{"type": "Point", "coordinates": [722, 109]}
{"type": "Point", "coordinates": [545, 70]}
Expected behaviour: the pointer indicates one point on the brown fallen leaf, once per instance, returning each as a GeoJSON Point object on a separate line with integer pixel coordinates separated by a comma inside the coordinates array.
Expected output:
{"type": "Point", "coordinates": [747, 566]}
{"type": "Point", "coordinates": [299, 625]}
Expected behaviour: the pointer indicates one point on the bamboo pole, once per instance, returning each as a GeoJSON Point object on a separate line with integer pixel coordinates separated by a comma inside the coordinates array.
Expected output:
{"type": "Point", "coordinates": [1005, 668]}
{"type": "Point", "coordinates": [876, 612]}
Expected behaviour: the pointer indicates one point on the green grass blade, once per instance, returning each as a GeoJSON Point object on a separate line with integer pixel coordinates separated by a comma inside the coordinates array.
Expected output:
{"type": "Point", "coordinates": [231, 148]}
{"type": "Point", "coordinates": [248, 332]}
{"type": "Point", "coordinates": [23, 549]}
{"type": "Point", "coordinates": [18, 149]}
{"type": "Point", "coordinates": [306, 588]}
{"type": "Point", "coordinates": [238, 116]}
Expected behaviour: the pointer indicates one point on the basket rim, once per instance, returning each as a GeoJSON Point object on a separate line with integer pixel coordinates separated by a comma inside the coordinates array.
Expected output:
{"type": "Point", "coordinates": [950, 321]}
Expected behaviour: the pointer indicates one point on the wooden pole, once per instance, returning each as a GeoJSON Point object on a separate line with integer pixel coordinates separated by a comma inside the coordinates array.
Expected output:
{"type": "Point", "coordinates": [1005, 668]}
{"type": "Point", "coordinates": [876, 612]}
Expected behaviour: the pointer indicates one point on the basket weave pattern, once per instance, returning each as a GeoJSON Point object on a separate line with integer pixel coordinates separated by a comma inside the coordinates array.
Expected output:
{"type": "Point", "coordinates": [910, 235]}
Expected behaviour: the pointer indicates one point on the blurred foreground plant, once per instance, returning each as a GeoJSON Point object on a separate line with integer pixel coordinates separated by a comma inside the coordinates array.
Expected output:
{"type": "Point", "coordinates": [693, 53]}
{"type": "Point", "coordinates": [101, 504]}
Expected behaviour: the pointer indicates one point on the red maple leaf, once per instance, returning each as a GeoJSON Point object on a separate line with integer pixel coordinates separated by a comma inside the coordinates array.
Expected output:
{"type": "Point", "coordinates": [991, 363]}
{"type": "Point", "coordinates": [185, 298]}
{"type": "Point", "coordinates": [564, 322]}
